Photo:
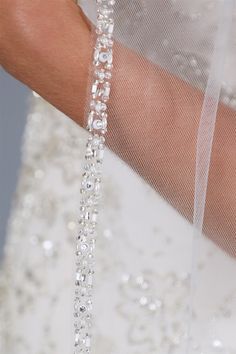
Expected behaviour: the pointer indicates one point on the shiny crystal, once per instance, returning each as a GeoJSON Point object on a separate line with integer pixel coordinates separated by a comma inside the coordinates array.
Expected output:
{"type": "Point", "coordinates": [105, 57]}
{"type": "Point", "coordinates": [100, 154]}
{"type": "Point", "coordinates": [106, 92]}
{"type": "Point", "coordinates": [82, 309]}
{"type": "Point", "coordinates": [100, 75]}
{"type": "Point", "coordinates": [99, 124]}
{"type": "Point", "coordinates": [91, 181]}
{"type": "Point", "coordinates": [84, 247]}
{"type": "Point", "coordinates": [88, 185]}
{"type": "Point", "coordinates": [87, 342]}
{"type": "Point", "coordinates": [106, 12]}
{"type": "Point", "coordinates": [105, 41]}
{"type": "Point", "coordinates": [96, 55]}
{"type": "Point", "coordinates": [94, 88]}
{"type": "Point", "coordinates": [98, 106]}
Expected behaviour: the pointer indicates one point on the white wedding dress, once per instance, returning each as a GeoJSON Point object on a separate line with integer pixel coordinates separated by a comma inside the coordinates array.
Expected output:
{"type": "Point", "coordinates": [143, 255]}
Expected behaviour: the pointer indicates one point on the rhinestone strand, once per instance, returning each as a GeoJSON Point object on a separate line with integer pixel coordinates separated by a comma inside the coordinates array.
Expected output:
{"type": "Point", "coordinates": [90, 191]}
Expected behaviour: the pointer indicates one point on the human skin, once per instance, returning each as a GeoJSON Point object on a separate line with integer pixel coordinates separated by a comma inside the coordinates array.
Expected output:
{"type": "Point", "coordinates": [47, 45]}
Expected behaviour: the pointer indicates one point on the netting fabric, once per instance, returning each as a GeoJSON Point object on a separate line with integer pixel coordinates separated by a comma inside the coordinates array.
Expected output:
{"type": "Point", "coordinates": [172, 119]}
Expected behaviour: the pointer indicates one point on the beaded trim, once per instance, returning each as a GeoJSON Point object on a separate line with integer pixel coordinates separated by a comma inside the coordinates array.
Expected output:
{"type": "Point", "coordinates": [90, 191]}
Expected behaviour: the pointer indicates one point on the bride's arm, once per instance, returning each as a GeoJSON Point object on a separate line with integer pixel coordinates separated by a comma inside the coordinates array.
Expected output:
{"type": "Point", "coordinates": [46, 45]}
{"type": "Point", "coordinates": [158, 134]}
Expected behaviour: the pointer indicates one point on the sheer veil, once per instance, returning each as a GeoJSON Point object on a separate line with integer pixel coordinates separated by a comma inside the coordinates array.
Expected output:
{"type": "Point", "coordinates": [171, 117]}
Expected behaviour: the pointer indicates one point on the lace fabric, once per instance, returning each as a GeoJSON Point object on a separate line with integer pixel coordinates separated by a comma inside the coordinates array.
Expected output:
{"type": "Point", "coordinates": [162, 67]}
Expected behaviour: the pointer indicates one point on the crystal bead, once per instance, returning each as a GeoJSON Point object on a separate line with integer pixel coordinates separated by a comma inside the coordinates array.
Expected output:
{"type": "Point", "coordinates": [143, 301]}
{"type": "Point", "coordinates": [100, 154]}
{"type": "Point", "coordinates": [89, 305]}
{"type": "Point", "coordinates": [76, 307]}
{"type": "Point", "coordinates": [90, 119]}
{"type": "Point", "coordinates": [82, 309]}
{"type": "Point", "coordinates": [90, 279]}
{"type": "Point", "coordinates": [106, 27]}
{"type": "Point", "coordinates": [96, 55]}
{"type": "Point", "coordinates": [84, 247]}
{"type": "Point", "coordinates": [97, 187]}
{"type": "Point", "coordinates": [106, 12]}
{"type": "Point", "coordinates": [106, 92]}
{"type": "Point", "coordinates": [88, 185]}
{"type": "Point", "coordinates": [110, 29]}
{"type": "Point", "coordinates": [83, 291]}
{"type": "Point", "coordinates": [80, 323]}
{"type": "Point", "coordinates": [98, 106]}
{"type": "Point", "coordinates": [100, 75]}
{"type": "Point", "coordinates": [105, 41]}
{"type": "Point", "coordinates": [96, 141]}
{"type": "Point", "coordinates": [105, 57]}
{"type": "Point", "coordinates": [88, 342]}
{"type": "Point", "coordinates": [87, 216]}
{"type": "Point", "coordinates": [99, 124]}
{"type": "Point", "coordinates": [77, 339]}
{"type": "Point", "coordinates": [92, 168]}
{"type": "Point", "coordinates": [108, 76]}
{"type": "Point", "coordinates": [108, 66]}
{"type": "Point", "coordinates": [89, 152]}
{"type": "Point", "coordinates": [94, 88]}
{"type": "Point", "coordinates": [78, 275]}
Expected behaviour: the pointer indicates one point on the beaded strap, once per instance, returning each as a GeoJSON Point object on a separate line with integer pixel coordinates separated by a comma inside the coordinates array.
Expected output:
{"type": "Point", "coordinates": [90, 191]}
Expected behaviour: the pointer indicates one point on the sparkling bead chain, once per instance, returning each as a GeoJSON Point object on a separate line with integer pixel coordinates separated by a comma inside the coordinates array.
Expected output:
{"type": "Point", "coordinates": [90, 191]}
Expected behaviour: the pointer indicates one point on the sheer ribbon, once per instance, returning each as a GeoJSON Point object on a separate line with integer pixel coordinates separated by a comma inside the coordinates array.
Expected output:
{"type": "Point", "coordinates": [205, 139]}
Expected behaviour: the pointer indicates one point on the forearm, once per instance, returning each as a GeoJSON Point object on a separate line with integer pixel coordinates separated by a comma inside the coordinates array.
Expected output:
{"type": "Point", "coordinates": [47, 47]}
{"type": "Point", "coordinates": [161, 129]}
{"type": "Point", "coordinates": [52, 56]}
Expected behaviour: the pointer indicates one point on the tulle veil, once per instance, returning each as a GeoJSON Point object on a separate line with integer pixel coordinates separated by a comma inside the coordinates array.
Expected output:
{"type": "Point", "coordinates": [188, 43]}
